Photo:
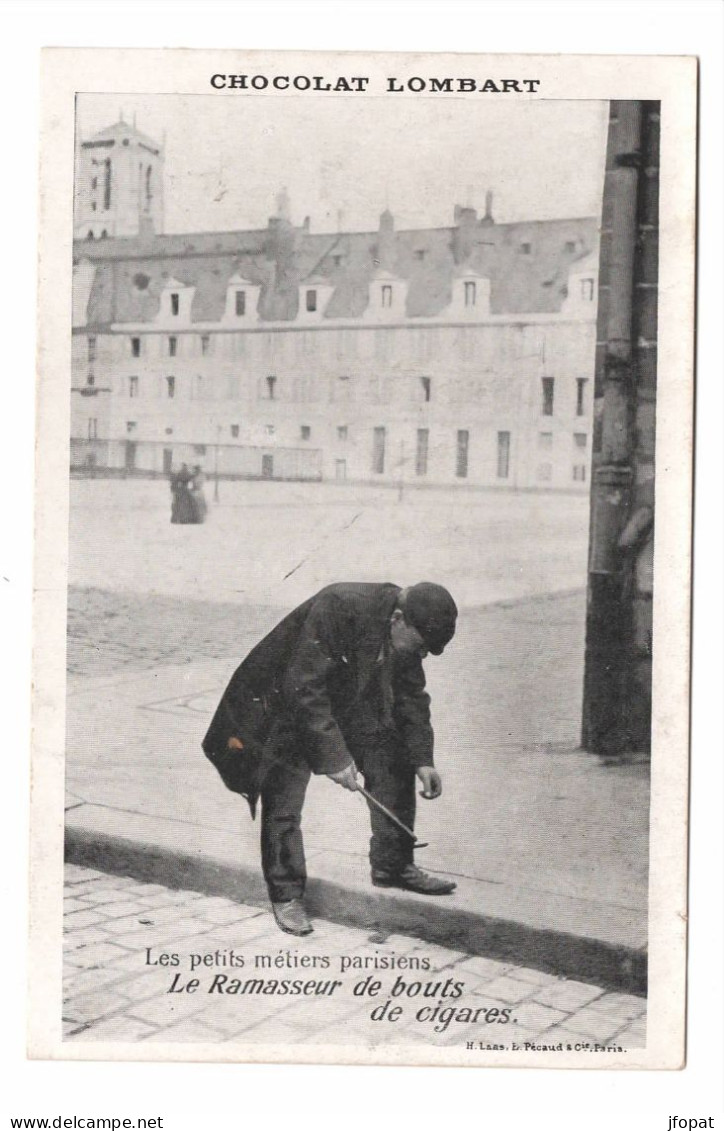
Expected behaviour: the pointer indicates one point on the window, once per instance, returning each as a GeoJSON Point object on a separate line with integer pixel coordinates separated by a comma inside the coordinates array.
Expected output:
{"type": "Point", "coordinates": [205, 343]}
{"type": "Point", "coordinates": [107, 184]}
{"type": "Point", "coordinates": [170, 387]}
{"type": "Point", "coordinates": [387, 295]}
{"type": "Point", "coordinates": [235, 431]}
{"type": "Point", "coordinates": [382, 345]}
{"type": "Point", "coordinates": [545, 472]}
{"type": "Point", "coordinates": [545, 441]}
{"type": "Point", "coordinates": [91, 350]}
{"type": "Point", "coordinates": [135, 347]}
{"type": "Point", "coordinates": [305, 432]}
{"type": "Point", "coordinates": [579, 472]}
{"type": "Point", "coordinates": [269, 429]}
{"type": "Point", "coordinates": [342, 432]}
{"type": "Point", "coordinates": [168, 431]}
{"type": "Point", "coordinates": [426, 383]}
{"type": "Point", "coordinates": [547, 387]}
{"type": "Point", "coordinates": [174, 303]}
{"type": "Point", "coordinates": [149, 193]}
{"type": "Point", "coordinates": [420, 253]}
{"type": "Point", "coordinates": [271, 383]}
{"type": "Point", "coordinates": [92, 428]}
{"type": "Point", "coordinates": [378, 451]}
{"type": "Point", "coordinates": [581, 383]}
{"type": "Point", "coordinates": [525, 248]}
{"type": "Point", "coordinates": [470, 294]}
{"type": "Point", "coordinates": [133, 386]}
{"type": "Point", "coordinates": [90, 380]}
{"type": "Point", "coordinates": [503, 455]}
{"type": "Point", "coordinates": [337, 260]}
{"type": "Point", "coordinates": [131, 426]}
{"type": "Point", "coordinates": [172, 346]}
{"type": "Point", "coordinates": [199, 449]}
{"type": "Point", "coordinates": [423, 438]}
{"type": "Point", "coordinates": [587, 290]}
{"type": "Point", "coordinates": [240, 303]}
{"type": "Point", "coordinates": [580, 439]}
{"type": "Point", "coordinates": [311, 300]}
{"type": "Point", "coordinates": [461, 456]}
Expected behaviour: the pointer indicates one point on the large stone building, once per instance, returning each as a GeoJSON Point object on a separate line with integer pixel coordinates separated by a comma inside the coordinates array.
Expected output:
{"type": "Point", "coordinates": [440, 355]}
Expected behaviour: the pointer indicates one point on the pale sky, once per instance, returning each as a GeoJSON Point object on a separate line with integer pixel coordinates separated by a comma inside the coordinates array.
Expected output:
{"type": "Point", "coordinates": [229, 155]}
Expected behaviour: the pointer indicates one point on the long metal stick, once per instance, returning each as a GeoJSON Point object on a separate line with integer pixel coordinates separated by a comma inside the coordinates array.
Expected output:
{"type": "Point", "coordinates": [391, 816]}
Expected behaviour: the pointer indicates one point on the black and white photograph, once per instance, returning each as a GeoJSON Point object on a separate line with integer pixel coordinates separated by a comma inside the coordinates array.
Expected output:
{"type": "Point", "coordinates": [374, 687]}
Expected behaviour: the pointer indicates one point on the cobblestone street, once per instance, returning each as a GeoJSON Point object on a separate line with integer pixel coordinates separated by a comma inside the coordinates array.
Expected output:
{"type": "Point", "coordinates": [113, 925]}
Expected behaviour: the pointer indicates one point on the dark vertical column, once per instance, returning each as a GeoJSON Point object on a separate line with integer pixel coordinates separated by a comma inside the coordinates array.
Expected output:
{"type": "Point", "coordinates": [617, 679]}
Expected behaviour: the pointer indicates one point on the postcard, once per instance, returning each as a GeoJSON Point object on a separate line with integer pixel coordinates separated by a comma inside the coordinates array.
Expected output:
{"type": "Point", "coordinates": [364, 473]}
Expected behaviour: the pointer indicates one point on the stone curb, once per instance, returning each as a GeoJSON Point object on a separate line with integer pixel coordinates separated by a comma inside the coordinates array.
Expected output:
{"type": "Point", "coordinates": [385, 911]}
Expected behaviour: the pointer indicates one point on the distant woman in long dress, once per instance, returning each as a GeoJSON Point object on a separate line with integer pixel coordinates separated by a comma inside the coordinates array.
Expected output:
{"type": "Point", "coordinates": [182, 508]}
{"type": "Point", "coordinates": [198, 498]}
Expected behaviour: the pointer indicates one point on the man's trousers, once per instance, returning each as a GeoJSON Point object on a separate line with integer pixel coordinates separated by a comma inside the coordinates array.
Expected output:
{"type": "Point", "coordinates": [388, 776]}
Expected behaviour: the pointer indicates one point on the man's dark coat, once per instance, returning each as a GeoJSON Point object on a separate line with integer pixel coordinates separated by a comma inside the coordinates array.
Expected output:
{"type": "Point", "coordinates": [310, 675]}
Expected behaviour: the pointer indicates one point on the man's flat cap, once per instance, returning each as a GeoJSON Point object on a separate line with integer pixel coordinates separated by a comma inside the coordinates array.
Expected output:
{"type": "Point", "coordinates": [431, 610]}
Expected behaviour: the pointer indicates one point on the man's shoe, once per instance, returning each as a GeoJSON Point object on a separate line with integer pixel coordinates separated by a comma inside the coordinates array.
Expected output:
{"type": "Point", "coordinates": [292, 917]}
{"type": "Point", "coordinates": [413, 878]}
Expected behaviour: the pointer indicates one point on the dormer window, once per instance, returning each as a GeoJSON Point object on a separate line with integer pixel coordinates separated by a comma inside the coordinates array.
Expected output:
{"type": "Point", "coordinates": [387, 295]}
{"type": "Point", "coordinates": [240, 303]}
{"type": "Point", "coordinates": [570, 246]}
{"type": "Point", "coordinates": [587, 290]}
{"type": "Point", "coordinates": [470, 294]}
{"type": "Point", "coordinates": [420, 253]}
{"type": "Point", "coordinates": [525, 248]}
{"type": "Point", "coordinates": [311, 301]}
{"type": "Point", "coordinates": [337, 260]}
{"type": "Point", "coordinates": [174, 303]}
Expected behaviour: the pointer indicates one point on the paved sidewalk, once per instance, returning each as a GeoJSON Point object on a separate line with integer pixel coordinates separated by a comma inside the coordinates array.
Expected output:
{"type": "Point", "coordinates": [112, 992]}
{"type": "Point", "coordinates": [549, 845]}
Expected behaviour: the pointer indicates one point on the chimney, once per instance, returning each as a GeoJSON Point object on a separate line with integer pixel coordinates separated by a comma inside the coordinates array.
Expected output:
{"type": "Point", "coordinates": [488, 217]}
{"type": "Point", "coordinates": [306, 223]}
{"type": "Point", "coordinates": [386, 241]}
{"type": "Point", "coordinates": [462, 238]}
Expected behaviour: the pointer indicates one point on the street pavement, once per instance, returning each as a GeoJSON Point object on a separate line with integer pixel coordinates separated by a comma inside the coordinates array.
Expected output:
{"type": "Point", "coordinates": [116, 989]}
{"type": "Point", "coordinates": [549, 845]}
{"type": "Point", "coordinates": [273, 544]}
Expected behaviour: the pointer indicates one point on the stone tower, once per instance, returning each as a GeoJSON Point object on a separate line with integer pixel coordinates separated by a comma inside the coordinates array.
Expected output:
{"type": "Point", "coordinates": [118, 184]}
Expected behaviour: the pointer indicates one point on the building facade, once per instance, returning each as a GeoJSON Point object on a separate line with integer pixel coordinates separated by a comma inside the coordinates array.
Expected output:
{"type": "Point", "coordinates": [447, 355]}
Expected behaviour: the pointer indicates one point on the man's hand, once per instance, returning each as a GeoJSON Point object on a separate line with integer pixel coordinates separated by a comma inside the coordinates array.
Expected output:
{"type": "Point", "coordinates": [431, 782]}
{"type": "Point", "coordinates": [346, 777]}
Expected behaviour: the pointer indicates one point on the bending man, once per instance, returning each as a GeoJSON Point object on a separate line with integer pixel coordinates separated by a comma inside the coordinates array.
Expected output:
{"type": "Point", "coordinates": [336, 688]}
